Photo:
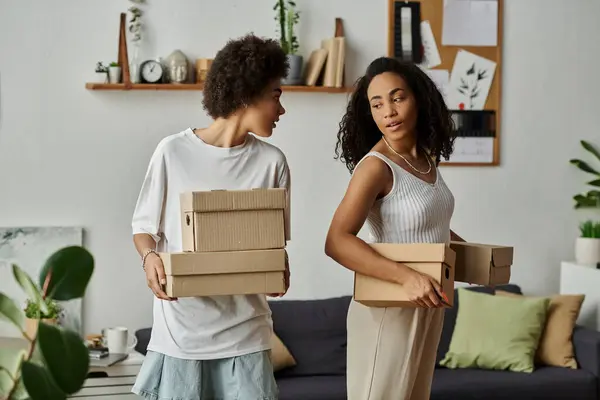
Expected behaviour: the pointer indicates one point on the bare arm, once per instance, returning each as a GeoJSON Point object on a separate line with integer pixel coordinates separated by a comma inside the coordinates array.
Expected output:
{"type": "Point", "coordinates": [369, 181]}
{"type": "Point", "coordinates": [143, 242]}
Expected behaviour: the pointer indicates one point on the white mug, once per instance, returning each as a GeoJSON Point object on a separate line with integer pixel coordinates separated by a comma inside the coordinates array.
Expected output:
{"type": "Point", "coordinates": [117, 340]}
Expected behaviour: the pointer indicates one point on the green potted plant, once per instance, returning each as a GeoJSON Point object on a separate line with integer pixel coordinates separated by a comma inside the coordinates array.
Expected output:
{"type": "Point", "coordinates": [54, 362]}
{"type": "Point", "coordinates": [33, 315]}
{"type": "Point", "coordinates": [287, 17]}
{"type": "Point", "coordinates": [114, 72]}
{"type": "Point", "coordinates": [101, 72]}
{"type": "Point", "coordinates": [587, 246]}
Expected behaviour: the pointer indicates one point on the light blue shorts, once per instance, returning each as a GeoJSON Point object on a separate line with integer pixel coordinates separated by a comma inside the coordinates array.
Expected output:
{"type": "Point", "coordinates": [247, 377]}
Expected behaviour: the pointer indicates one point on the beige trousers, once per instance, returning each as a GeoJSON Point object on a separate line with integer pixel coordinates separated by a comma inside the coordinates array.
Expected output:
{"type": "Point", "coordinates": [392, 352]}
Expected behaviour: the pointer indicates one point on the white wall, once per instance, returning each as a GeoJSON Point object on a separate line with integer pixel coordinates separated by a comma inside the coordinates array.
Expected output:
{"type": "Point", "coordinates": [69, 156]}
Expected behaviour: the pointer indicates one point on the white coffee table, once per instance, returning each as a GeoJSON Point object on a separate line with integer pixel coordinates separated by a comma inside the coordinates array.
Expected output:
{"type": "Point", "coordinates": [114, 382]}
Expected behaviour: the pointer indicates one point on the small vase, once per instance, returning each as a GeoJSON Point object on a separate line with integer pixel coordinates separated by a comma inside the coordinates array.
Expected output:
{"type": "Point", "coordinates": [134, 65]}
{"type": "Point", "coordinates": [295, 73]}
{"type": "Point", "coordinates": [587, 251]}
{"type": "Point", "coordinates": [114, 74]}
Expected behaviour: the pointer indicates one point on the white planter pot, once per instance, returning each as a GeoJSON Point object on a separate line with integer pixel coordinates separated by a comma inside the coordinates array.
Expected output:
{"type": "Point", "coordinates": [587, 251]}
{"type": "Point", "coordinates": [114, 74]}
{"type": "Point", "coordinates": [101, 77]}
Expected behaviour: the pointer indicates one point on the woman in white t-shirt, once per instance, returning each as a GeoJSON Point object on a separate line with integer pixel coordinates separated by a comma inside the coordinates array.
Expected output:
{"type": "Point", "coordinates": [213, 347]}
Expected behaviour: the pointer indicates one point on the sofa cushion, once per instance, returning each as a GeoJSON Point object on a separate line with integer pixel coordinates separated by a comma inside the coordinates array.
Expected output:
{"type": "Point", "coordinates": [312, 388]}
{"type": "Point", "coordinates": [556, 345]}
{"type": "Point", "coordinates": [450, 315]}
{"type": "Point", "coordinates": [545, 383]}
{"type": "Point", "coordinates": [314, 331]}
{"type": "Point", "coordinates": [497, 332]}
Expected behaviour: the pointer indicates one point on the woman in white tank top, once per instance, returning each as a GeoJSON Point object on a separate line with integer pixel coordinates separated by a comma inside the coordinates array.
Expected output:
{"type": "Point", "coordinates": [395, 131]}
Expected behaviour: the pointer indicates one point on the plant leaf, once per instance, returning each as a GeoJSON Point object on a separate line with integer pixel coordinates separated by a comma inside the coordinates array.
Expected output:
{"type": "Point", "coordinates": [582, 165]}
{"type": "Point", "coordinates": [39, 383]}
{"type": "Point", "coordinates": [10, 360]}
{"type": "Point", "coordinates": [66, 356]}
{"type": "Point", "coordinates": [588, 146]}
{"type": "Point", "coordinates": [72, 268]}
{"type": "Point", "coordinates": [10, 311]}
{"type": "Point", "coordinates": [471, 70]}
{"type": "Point", "coordinates": [24, 280]}
{"type": "Point", "coordinates": [595, 182]}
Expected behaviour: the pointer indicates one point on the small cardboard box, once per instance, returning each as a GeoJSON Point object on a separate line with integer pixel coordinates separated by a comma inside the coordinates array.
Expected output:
{"type": "Point", "coordinates": [433, 259]}
{"type": "Point", "coordinates": [224, 273]}
{"type": "Point", "coordinates": [229, 220]}
{"type": "Point", "coordinates": [482, 264]}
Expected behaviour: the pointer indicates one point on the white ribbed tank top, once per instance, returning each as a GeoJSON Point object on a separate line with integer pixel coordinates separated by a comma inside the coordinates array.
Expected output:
{"type": "Point", "coordinates": [414, 211]}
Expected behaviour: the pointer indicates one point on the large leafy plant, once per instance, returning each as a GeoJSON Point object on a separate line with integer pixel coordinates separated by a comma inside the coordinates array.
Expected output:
{"type": "Point", "coordinates": [591, 198]}
{"type": "Point", "coordinates": [55, 363]}
{"type": "Point", "coordinates": [287, 17]}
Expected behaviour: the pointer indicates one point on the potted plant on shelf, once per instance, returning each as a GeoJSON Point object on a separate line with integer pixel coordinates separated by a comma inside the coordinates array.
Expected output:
{"type": "Point", "coordinates": [33, 315]}
{"type": "Point", "coordinates": [287, 18]}
{"type": "Point", "coordinates": [101, 72]}
{"type": "Point", "coordinates": [587, 246]}
{"type": "Point", "coordinates": [114, 72]}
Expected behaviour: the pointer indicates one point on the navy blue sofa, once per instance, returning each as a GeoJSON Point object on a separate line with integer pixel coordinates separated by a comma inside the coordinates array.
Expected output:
{"type": "Point", "coordinates": [315, 333]}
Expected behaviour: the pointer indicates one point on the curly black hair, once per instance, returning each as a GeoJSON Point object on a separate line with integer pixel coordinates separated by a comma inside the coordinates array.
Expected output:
{"type": "Point", "coordinates": [240, 72]}
{"type": "Point", "coordinates": [358, 132]}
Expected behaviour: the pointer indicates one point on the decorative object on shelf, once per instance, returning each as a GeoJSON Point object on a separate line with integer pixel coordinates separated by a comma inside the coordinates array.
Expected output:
{"type": "Point", "coordinates": [591, 199]}
{"type": "Point", "coordinates": [152, 71]}
{"type": "Point", "coordinates": [202, 67]}
{"type": "Point", "coordinates": [114, 73]}
{"type": "Point", "coordinates": [287, 18]}
{"type": "Point", "coordinates": [587, 245]}
{"type": "Point", "coordinates": [177, 67]}
{"type": "Point", "coordinates": [135, 29]}
{"type": "Point", "coordinates": [55, 363]}
{"type": "Point", "coordinates": [101, 72]}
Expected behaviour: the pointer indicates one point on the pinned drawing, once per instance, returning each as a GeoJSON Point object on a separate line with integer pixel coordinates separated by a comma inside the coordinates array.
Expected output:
{"type": "Point", "coordinates": [470, 81]}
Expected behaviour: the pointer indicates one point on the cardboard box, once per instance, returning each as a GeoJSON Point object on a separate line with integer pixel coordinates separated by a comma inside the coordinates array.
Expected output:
{"type": "Point", "coordinates": [230, 220]}
{"type": "Point", "coordinates": [433, 259]}
{"type": "Point", "coordinates": [224, 273]}
{"type": "Point", "coordinates": [482, 264]}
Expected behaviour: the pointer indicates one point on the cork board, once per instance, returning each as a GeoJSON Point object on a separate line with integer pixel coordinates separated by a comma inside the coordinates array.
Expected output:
{"type": "Point", "coordinates": [433, 12]}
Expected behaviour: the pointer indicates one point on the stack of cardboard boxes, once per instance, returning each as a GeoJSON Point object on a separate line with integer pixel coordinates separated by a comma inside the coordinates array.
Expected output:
{"type": "Point", "coordinates": [473, 263]}
{"type": "Point", "coordinates": [233, 243]}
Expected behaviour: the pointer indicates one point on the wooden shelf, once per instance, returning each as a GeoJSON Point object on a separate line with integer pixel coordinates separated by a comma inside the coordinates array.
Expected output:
{"type": "Point", "coordinates": [199, 87]}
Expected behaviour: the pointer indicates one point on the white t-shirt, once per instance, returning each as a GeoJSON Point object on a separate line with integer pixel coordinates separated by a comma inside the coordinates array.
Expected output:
{"type": "Point", "coordinates": [218, 326]}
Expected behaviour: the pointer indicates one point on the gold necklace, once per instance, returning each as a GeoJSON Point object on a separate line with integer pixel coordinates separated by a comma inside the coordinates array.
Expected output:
{"type": "Point", "coordinates": [408, 162]}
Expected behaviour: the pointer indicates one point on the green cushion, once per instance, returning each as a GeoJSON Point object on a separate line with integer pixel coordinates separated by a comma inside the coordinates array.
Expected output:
{"type": "Point", "coordinates": [496, 332]}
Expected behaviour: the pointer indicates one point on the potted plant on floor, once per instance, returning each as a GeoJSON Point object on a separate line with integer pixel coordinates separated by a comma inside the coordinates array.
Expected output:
{"type": "Point", "coordinates": [55, 361]}
{"type": "Point", "coordinates": [587, 246]}
{"type": "Point", "coordinates": [287, 17]}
